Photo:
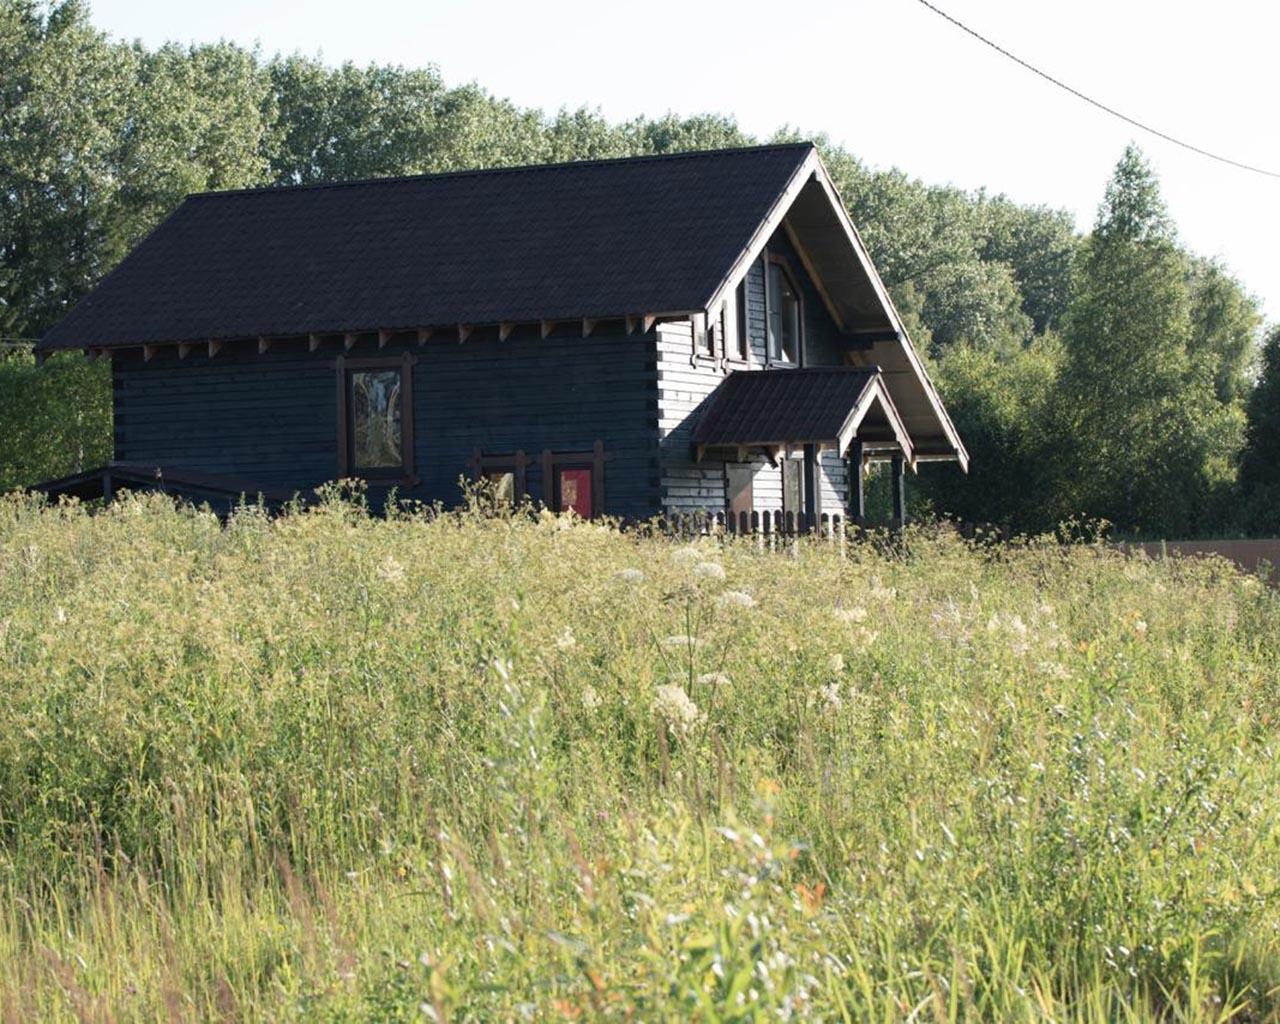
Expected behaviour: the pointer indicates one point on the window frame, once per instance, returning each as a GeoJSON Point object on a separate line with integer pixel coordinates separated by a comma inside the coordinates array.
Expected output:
{"type": "Point", "coordinates": [404, 473]}
{"type": "Point", "coordinates": [593, 460]}
{"type": "Point", "coordinates": [742, 336]}
{"type": "Point", "coordinates": [784, 267]}
{"type": "Point", "coordinates": [515, 463]}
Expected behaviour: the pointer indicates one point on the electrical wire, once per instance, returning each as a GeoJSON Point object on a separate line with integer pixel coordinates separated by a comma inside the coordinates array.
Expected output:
{"type": "Point", "coordinates": [1096, 103]}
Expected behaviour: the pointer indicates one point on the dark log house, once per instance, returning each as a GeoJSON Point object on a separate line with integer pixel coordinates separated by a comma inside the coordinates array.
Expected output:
{"type": "Point", "coordinates": [702, 331]}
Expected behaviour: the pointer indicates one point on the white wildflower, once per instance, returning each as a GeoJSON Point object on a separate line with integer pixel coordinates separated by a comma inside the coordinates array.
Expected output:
{"type": "Point", "coordinates": [390, 571]}
{"type": "Point", "coordinates": [677, 709]}
{"type": "Point", "coordinates": [709, 571]}
{"type": "Point", "coordinates": [713, 679]}
{"type": "Point", "coordinates": [679, 640]}
{"type": "Point", "coordinates": [629, 576]}
{"type": "Point", "coordinates": [882, 595]}
{"type": "Point", "coordinates": [1054, 670]}
{"type": "Point", "coordinates": [735, 599]}
{"type": "Point", "coordinates": [855, 614]}
{"type": "Point", "coordinates": [566, 641]}
{"type": "Point", "coordinates": [835, 663]}
{"type": "Point", "coordinates": [61, 615]}
{"type": "Point", "coordinates": [686, 554]}
{"type": "Point", "coordinates": [830, 695]}
{"type": "Point", "coordinates": [864, 638]}
{"type": "Point", "coordinates": [1140, 628]}
{"type": "Point", "coordinates": [590, 699]}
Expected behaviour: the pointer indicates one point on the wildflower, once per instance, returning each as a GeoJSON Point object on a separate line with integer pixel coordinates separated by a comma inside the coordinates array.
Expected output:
{"type": "Point", "coordinates": [676, 709]}
{"type": "Point", "coordinates": [830, 695]}
{"type": "Point", "coordinates": [882, 595]}
{"type": "Point", "coordinates": [61, 615]}
{"type": "Point", "coordinates": [713, 679]}
{"type": "Point", "coordinates": [835, 663]}
{"type": "Point", "coordinates": [854, 614]}
{"type": "Point", "coordinates": [864, 638]}
{"type": "Point", "coordinates": [390, 571]}
{"type": "Point", "coordinates": [629, 576]}
{"type": "Point", "coordinates": [590, 699]}
{"type": "Point", "coordinates": [1140, 629]}
{"type": "Point", "coordinates": [566, 641]}
{"type": "Point", "coordinates": [735, 599]}
{"type": "Point", "coordinates": [686, 554]}
{"type": "Point", "coordinates": [709, 571]}
{"type": "Point", "coordinates": [679, 640]}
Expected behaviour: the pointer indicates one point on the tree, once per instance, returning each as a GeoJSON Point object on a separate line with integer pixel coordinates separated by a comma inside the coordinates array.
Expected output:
{"type": "Point", "coordinates": [1260, 464]}
{"type": "Point", "coordinates": [1147, 443]}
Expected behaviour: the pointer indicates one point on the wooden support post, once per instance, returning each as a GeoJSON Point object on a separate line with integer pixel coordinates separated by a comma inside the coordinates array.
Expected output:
{"type": "Point", "coordinates": [857, 492]}
{"type": "Point", "coordinates": [812, 484]}
{"type": "Point", "coordinates": [899, 492]}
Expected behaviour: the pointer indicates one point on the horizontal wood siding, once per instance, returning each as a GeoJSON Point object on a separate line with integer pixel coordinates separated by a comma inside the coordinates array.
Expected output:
{"type": "Point", "coordinates": [273, 417]}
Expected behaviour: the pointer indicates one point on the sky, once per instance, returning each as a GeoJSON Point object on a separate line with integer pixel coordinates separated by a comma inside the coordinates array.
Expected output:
{"type": "Point", "coordinates": [888, 79]}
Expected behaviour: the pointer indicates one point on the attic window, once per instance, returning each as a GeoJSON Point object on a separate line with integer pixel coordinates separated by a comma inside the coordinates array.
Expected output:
{"type": "Point", "coordinates": [785, 314]}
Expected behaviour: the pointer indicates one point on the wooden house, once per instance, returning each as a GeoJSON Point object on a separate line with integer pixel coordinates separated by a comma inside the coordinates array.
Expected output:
{"type": "Point", "coordinates": [703, 331]}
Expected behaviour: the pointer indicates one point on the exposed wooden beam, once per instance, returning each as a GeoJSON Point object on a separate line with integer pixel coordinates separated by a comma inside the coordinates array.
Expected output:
{"type": "Point", "coordinates": [588, 326]}
{"type": "Point", "coordinates": [215, 346]}
{"type": "Point", "coordinates": [464, 332]}
{"type": "Point", "coordinates": [809, 268]}
{"type": "Point", "coordinates": [424, 335]}
{"type": "Point", "coordinates": [871, 336]}
{"type": "Point", "coordinates": [504, 330]}
{"type": "Point", "coordinates": [547, 327]}
{"type": "Point", "coordinates": [384, 336]}
{"type": "Point", "coordinates": [348, 341]}
{"type": "Point", "coordinates": [313, 342]}
{"type": "Point", "coordinates": [630, 324]}
{"type": "Point", "coordinates": [647, 323]}
{"type": "Point", "coordinates": [184, 349]}
{"type": "Point", "coordinates": [148, 351]}
{"type": "Point", "coordinates": [264, 343]}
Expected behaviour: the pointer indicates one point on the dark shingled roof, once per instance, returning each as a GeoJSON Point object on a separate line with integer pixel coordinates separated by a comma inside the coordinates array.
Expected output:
{"type": "Point", "coordinates": [762, 407]}
{"type": "Point", "coordinates": [556, 242]}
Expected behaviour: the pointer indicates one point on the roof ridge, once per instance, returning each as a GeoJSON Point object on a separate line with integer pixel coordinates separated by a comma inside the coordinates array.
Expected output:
{"type": "Point", "coordinates": [506, 169]}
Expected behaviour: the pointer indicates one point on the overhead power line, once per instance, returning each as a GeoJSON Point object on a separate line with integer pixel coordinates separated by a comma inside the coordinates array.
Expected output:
{"type": "Point", "coordinates": [1096, 103]}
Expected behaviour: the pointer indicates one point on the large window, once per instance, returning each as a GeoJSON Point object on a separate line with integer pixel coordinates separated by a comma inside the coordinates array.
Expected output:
{"type": "Point", "coordinates": [785, 314]}
{"type": "Point", "coordinates": [375, 413]}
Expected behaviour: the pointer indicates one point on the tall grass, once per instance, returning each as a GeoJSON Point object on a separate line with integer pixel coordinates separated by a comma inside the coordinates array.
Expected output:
{"type": "Point", "coordinates": [331, 767]}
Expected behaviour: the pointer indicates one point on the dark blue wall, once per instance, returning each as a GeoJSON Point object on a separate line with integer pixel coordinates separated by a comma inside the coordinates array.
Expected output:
{"type": "Point", "coordinates": [273, 417]}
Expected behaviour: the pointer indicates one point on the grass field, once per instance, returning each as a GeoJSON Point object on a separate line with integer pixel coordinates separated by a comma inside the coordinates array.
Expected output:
{"type": "Point", "coordinates": [336, 768]}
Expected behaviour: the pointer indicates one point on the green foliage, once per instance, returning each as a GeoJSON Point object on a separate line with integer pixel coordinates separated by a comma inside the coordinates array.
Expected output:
{"type": "Point", "coordinates": [1260, 465]}
{"type": "Point", "coordinates": [1153, 444]}
{"type": "Point", "coordinates": [329, 767]}
{"type": "Point", "coordinates": [54, 419]}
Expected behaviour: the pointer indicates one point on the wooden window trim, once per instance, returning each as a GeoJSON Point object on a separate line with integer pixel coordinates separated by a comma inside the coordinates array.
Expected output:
{"type": "Point", "coordinates": [481, 465]}
{"type": "Point", "coordinates": [405, 363]}
{"type": "Point", "coordinates": [777, 259]}
{"type": "Point", "coordinates": [594, 460]}
{"type": "Point", "coordinates": [742, 338]}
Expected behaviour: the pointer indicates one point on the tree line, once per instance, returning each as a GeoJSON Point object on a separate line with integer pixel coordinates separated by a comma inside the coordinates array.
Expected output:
{"type": "Point", "coordinates": [1111, 374]}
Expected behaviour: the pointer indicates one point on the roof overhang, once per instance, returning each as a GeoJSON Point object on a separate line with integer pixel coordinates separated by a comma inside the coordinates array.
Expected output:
{"type": "Point", "coordinates": [812, 214]}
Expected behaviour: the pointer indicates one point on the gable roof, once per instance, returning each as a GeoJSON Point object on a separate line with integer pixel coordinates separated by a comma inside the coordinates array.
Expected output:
{"type": "Point", "coordinates": [647, 235]}
{"type": "Point", "coordinates": [788, 407]}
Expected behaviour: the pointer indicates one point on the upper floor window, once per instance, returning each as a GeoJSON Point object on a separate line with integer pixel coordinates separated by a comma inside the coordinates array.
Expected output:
{"type": "Point", "coordinates": [375, 418]}
{"type": "Point", "coordinates": [741, 341]}
{"type": "Point", "coordinates": [785, 314]}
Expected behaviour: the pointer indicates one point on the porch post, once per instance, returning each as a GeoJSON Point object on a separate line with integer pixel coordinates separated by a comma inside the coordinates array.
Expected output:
{"type": "Point", "coordinates": [856, 496]}
{"type": "Point", "coordinates": [812, 499]}
{"type": "Point", "coordinates": [899, 492]}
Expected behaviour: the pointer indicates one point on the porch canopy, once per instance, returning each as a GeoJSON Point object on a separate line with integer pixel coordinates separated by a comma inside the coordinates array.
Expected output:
{"type": "Point", "coordinates": [818, 407]}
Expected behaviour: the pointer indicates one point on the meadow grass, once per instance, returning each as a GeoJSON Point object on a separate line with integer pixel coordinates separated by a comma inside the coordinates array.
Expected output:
{"type": "Point", "coordinates": [335, 767]}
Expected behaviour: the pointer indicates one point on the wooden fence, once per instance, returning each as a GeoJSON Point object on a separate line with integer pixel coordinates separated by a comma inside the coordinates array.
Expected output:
{"type": "Point", "coordinates": [754, 524]}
